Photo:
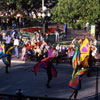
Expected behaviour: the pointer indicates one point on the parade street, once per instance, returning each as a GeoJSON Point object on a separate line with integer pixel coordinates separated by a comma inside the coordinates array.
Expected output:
{"type": "Point", "coordinates": [21, 76]}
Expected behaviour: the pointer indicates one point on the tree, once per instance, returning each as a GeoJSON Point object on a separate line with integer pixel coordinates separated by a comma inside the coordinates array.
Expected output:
{"type": "Point", "coordinates": [76, 11]}
{"type": "Point", "coordinates": [23, 3]}
{"type": "Point", "coordinates": [27, 4]}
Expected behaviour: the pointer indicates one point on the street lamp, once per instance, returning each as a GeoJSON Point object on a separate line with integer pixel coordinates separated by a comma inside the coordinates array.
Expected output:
{"type": "Point", "coordinates": [43, 14]}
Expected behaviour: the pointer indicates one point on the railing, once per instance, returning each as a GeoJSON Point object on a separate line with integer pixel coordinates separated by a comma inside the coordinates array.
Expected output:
{"type": "Point", "coordinates": [22, 97]}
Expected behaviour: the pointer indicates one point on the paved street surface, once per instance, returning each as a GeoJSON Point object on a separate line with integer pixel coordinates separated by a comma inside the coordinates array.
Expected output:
{"type": "Point", "coordinates": [21, 76]}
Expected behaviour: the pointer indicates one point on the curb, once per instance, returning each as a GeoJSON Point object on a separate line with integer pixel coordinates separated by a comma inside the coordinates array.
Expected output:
{"type": "Point", "coordinates": [17, 61]}
{"type": "Point", "coordinates": [30, 62]}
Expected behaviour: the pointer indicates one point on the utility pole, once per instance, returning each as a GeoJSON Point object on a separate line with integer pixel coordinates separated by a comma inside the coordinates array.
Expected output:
{"type": "Point", "coordinates": [42, 4]}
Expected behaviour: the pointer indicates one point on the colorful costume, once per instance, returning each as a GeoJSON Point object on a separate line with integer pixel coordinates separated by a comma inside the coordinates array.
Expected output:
{"type": "Point", "coordinates": [43, 64]}
{"type": "Point", "coordinates": [48, 65]}
{"type": "Point", "coordinates": [80, 64]}
{"type": "Point", "coordinates": [5, 55]}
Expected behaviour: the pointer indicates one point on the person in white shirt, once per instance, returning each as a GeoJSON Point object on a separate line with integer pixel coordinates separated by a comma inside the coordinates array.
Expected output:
{"type": "Point", "coordinates": [94, 50]}
{"type": "Point", "coordinates": [24, 53]}
{"type": "Point", "coordinates": [74, 42]}
{"type": "Point", "coordinates": [16, 44]}
{"type": "Point", "coordinates": [58, 47]}
{"type": "Point", "coordinates": [95, 43]}
{"type": "Point", "coordinates": [87, 26]}
{"type": "Point", "coordinates": [57, 33]}
{"type": "Point", "coordinates": [70, 53]}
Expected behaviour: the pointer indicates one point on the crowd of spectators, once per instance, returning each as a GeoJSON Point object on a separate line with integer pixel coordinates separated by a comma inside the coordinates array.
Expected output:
{"type": "Point", "coordinates": [37, 48]}
{"type": "Point", "coordinates": [16, 18]}
{"type": "Point", "coordinates": [27, 48]}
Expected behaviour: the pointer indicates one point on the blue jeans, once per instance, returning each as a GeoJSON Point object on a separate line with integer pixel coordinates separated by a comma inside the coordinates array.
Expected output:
{"type": "Point", "coordinates": [16, 51]}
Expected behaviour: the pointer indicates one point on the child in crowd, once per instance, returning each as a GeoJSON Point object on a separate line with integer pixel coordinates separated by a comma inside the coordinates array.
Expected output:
{"type": "Point", "coordinates": [70, 54]}
{"type": "Point", "coordinates": [24, 53]}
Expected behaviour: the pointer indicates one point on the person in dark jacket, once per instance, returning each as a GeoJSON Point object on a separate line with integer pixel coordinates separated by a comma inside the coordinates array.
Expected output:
{"type": "Point", "coordinates": [65, 29]}
{"type": "Point", "coordinates": [49, 66]}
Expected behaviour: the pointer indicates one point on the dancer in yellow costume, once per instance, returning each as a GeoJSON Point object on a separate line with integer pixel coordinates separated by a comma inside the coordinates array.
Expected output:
{"type": "Point", "coordinates": [80, 66]}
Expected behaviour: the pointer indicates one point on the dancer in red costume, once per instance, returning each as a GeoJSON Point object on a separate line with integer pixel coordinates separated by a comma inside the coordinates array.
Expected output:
{"type": "Point", "coordinates": [47, 64]}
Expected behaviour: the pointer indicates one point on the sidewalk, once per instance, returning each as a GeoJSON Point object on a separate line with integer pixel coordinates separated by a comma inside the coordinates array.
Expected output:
{"type": "Point", "coordinates": [18, 60]}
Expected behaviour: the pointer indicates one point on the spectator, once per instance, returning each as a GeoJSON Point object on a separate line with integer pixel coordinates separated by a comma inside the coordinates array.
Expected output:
{"type": "Point", "coordinates": [44, 53]}
{"type": "Point", "coordinates": [40, 37]}
{"type": "Point", "coordinates": [3, 24]}
{"type": "Point", "coordinates": [94, 50]}
{"type": "Point", "coordinates": [33, 41]}
{"type": "Point", "coordinates": [13, 24]}
{"type": "Point", "coordinates": [95, 43]}
{"type": "Point", "coordinates": [91, 43]}
{"type": "Point", "coordinates": [92, 56]}
{"type": "Point", "coordinates": [57, 33]}
{"type": "Point", "coordinates": [74, 42]}
{"type": "Point", "coordinates": [13, 33]}
{"type": "Point", "coordinates": [65, 29]}
{"type": "Point", "coordinates": [87, 26]}
{"type": "Point", "coordinates": [20, 95]}
{"type": "Point", "coordinates": [71, 54]}
{"type": "Point", "coordinates": [64, 49]}
{"type": "Point", "coordinates": [24, 53]}
{"type": "Point", "coordinates": [27, 41]}
{"type": "Point", "coordinates": [38, 53]}
{"type": "Point", "coordinates": [43, 44]}
{"type": "Point", "coordinates": [4, 34]}
{"type": "Point", "coordinates": [58, 48]}
{"type": "Point", "coordinates": [16, 44]}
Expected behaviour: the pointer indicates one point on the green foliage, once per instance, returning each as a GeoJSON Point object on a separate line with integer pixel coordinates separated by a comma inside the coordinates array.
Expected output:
{"type": "Point", "coordinates": [24, 3]}
{"type": "Point", "coordinates": [27, 4]}
{"type": "Point", "coordinates": [80, 10]}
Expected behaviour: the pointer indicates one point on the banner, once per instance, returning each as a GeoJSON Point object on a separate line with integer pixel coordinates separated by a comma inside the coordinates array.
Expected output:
{"type": "Point", "coordinates": [93, 30]}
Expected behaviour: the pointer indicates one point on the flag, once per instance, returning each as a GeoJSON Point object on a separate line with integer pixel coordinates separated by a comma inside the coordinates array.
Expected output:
{"type": "Point", "coordinates": [43, 64]}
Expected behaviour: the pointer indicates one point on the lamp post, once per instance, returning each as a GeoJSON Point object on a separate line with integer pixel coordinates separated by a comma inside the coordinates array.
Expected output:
{"type": "Point", "coordinates": [42, 4]}
{"type": "Point", "coordinates": [43, 14]}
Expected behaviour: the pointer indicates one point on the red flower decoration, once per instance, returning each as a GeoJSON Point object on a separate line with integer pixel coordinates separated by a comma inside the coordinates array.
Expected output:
{"type": "Point", "coordinates": [35, 29]}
